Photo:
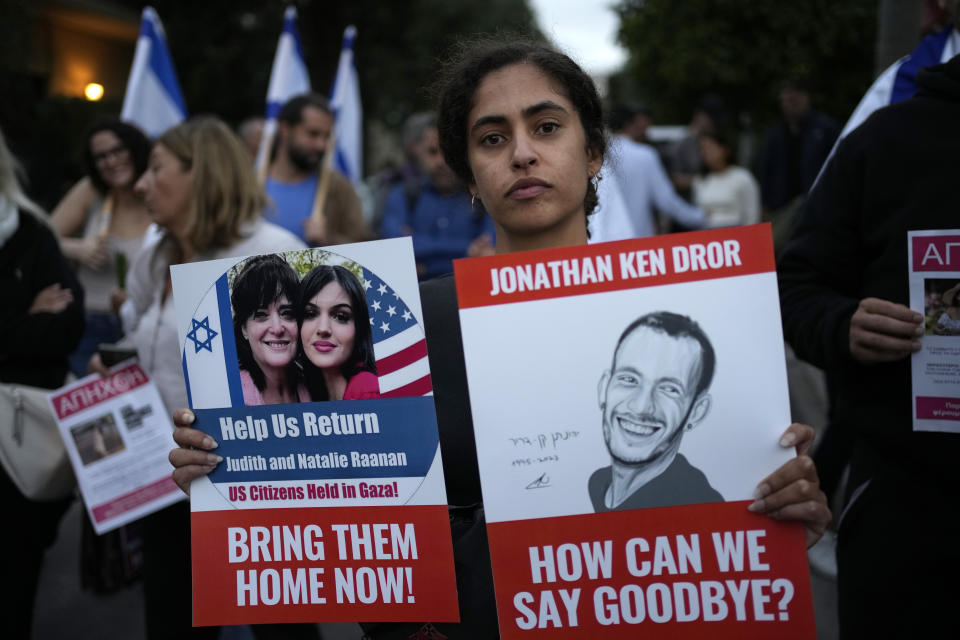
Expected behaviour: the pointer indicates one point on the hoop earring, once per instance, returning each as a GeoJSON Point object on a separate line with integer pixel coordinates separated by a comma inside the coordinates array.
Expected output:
{"type": "Point", "coordinates": [595, 179]}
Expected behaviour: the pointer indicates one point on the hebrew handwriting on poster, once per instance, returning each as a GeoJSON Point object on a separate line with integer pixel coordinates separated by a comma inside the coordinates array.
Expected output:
{"type": "Point", "coordinates": [645, 398]}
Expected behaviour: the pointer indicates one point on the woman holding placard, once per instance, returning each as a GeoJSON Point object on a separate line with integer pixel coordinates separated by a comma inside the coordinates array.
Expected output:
{"type": "Point", "coordinates": [522, 126]}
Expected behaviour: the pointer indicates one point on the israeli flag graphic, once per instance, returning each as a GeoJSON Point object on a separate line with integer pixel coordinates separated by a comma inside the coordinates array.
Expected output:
{"type": "Point", "coordinates": [209, 348]}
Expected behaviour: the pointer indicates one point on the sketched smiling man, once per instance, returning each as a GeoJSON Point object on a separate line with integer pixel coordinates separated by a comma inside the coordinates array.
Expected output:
{"type": "Point", "coordinates": [655, 391]}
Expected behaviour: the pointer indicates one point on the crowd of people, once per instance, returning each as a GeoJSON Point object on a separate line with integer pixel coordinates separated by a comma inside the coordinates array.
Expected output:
{"type": "Point", "coordinates": [517, 156]}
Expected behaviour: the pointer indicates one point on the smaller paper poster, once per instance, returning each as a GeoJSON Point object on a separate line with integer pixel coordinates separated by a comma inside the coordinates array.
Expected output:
{"type": "Point", "coordinates": [934, 268]}
{"type": "Point", "coordinates": [118, 436]}
{"type": "Point", "coordinates": [309, 368]}
{"type": "Point", "coordinates": [627, 399]}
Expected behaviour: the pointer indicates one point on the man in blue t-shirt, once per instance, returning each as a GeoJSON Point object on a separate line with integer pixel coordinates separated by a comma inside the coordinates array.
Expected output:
{"type": "Point", "coordinates": [437, 212]}
{"type": "Point", "coordinates": [304, 125]}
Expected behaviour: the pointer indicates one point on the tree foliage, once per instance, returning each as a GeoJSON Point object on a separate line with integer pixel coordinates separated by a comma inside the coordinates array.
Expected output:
{"type": "Point", "coordinates": [741, 50]}
{"type": "Point", "coordinates": [223, 49]}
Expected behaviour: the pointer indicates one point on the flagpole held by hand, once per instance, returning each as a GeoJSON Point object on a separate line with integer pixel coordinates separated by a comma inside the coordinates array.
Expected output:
{"type": "Point", "coordinates": [263, 154]}
{"type": "Point", "coordinates": [317, 215]}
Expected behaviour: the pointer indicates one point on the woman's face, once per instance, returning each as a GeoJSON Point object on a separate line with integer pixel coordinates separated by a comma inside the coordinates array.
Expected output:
{"type": "Point", "coordinates": [272, 334]}
{"type": "Point", "coordinates": [528, 154]}
{"type": "Point", "coordinates": [165, 188]}
{"type": "Point", "coordinates": [713, 153]}
{"type": "Point", "coordinates": [328, 330]}
{"type": "Point", "coordinates": [112, 159]}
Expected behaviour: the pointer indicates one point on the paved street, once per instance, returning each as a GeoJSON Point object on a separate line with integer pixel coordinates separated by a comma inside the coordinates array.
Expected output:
{"type": "Point", "coordinates": [64, 611]}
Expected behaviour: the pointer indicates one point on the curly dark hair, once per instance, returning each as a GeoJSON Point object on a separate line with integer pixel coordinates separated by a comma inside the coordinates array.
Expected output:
{"type": "Point", "coordinates": [475, 59]}
{"type": "Point", "coordinates": [362, 357]}
{"type": "Point", "coordinates": [262, 281]}
{"type": "Point", "coordinates": [134, 140]}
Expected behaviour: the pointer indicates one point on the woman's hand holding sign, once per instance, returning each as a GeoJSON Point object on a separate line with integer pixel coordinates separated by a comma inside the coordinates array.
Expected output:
{"type": "Point", "coordinates": [792, 492]}
{"type": "Point", "coordinates": [191, 460]}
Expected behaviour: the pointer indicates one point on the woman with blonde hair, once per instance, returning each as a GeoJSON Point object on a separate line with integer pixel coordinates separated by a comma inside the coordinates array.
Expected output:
{"type": "Point", "coordinates": [200, 189]}
{"type": "Point", "coordinates": [40, 323]}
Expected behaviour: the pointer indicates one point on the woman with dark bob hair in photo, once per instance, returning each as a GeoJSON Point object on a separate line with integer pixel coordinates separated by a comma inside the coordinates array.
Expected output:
{"type": "Point", "coordinates": [522, 125]}
{"type": "Point", "coordinates": [336, 345]}
{"type": "Point", "coordinates": [265, 329]}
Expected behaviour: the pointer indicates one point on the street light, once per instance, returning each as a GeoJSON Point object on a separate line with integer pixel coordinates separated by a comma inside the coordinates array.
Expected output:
{"type": "Point", "coordinates": [93, 91]}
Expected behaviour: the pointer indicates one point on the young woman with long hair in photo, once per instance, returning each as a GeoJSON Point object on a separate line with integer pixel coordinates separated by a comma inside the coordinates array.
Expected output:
{"type": "Point", "coordinates": [521, 124]}
{"type": "Point", "coordinates": [265, 329]}
{"type": "Point", "coordinates": [335, 339]}
{"type": "Point", "coordinates": [100, 218]}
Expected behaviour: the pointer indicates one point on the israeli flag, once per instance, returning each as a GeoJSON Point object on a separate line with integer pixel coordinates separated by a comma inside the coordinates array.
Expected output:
{"type": "Point", "coordinates": [153, 100]}
{"type": "Point", "coordinates": [288, 78]}
{"type": "Point", "coordinates": [347, 112]}
{"type": "Point", "coordinates": [898, 82]}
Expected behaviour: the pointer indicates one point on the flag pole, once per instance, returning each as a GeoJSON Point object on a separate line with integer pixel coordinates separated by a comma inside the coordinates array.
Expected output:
{"type": "Point", "coordinates": [320, 198]}
{"type": "Point", "coordinates": [263, 155]}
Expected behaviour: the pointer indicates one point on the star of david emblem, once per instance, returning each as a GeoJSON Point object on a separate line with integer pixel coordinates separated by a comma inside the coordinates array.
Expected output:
{"type": "Point", "coordinates": [202, 328]}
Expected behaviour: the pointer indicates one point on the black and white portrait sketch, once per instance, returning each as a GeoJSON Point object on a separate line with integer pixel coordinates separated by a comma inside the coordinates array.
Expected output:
{"type": "Point", "coordinates": [656, 390]}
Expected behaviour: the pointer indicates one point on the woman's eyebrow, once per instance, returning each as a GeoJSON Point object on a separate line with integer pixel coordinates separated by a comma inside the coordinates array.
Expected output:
{"type": "Point", "coordinates": [546, 105]}
{"type": "Point", "coordinates": [485, 120]}
{"type": "Point", "coordinates": [532, 110]}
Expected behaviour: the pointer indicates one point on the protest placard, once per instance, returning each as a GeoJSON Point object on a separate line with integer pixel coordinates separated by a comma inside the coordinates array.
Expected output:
{"type": "Point", "coordinates": [117, 435]}
{"type": "Point", "coordinates": [330, 505]}
{"type": "Point", "coordinates": [934, 268]}
{"type": "Point", "coordinates": [644, 403]}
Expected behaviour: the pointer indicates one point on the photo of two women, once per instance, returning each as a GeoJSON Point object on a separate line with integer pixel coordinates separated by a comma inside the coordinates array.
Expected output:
{"type": "Point", "coordinates": [302, 329]}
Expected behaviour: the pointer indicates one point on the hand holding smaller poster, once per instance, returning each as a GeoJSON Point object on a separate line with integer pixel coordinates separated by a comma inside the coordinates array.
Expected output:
{"type": "Point", "coordinates": [117, 435]}
{"type": "Point", "coordinates": [934, 269]}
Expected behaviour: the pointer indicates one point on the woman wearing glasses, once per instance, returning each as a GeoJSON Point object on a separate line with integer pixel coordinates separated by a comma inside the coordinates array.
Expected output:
{"type": "Point", "coordinates": [99, 220]}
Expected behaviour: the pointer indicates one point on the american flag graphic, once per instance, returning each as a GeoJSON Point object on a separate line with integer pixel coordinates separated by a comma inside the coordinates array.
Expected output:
{"type": "Point", "coordinates": [398, 342]}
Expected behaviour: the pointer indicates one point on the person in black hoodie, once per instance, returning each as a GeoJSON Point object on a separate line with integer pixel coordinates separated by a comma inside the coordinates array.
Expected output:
{"type": "Point", "coordinates": [844, 299]}
{"type": "Point", "coordinates": [41, 321]}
